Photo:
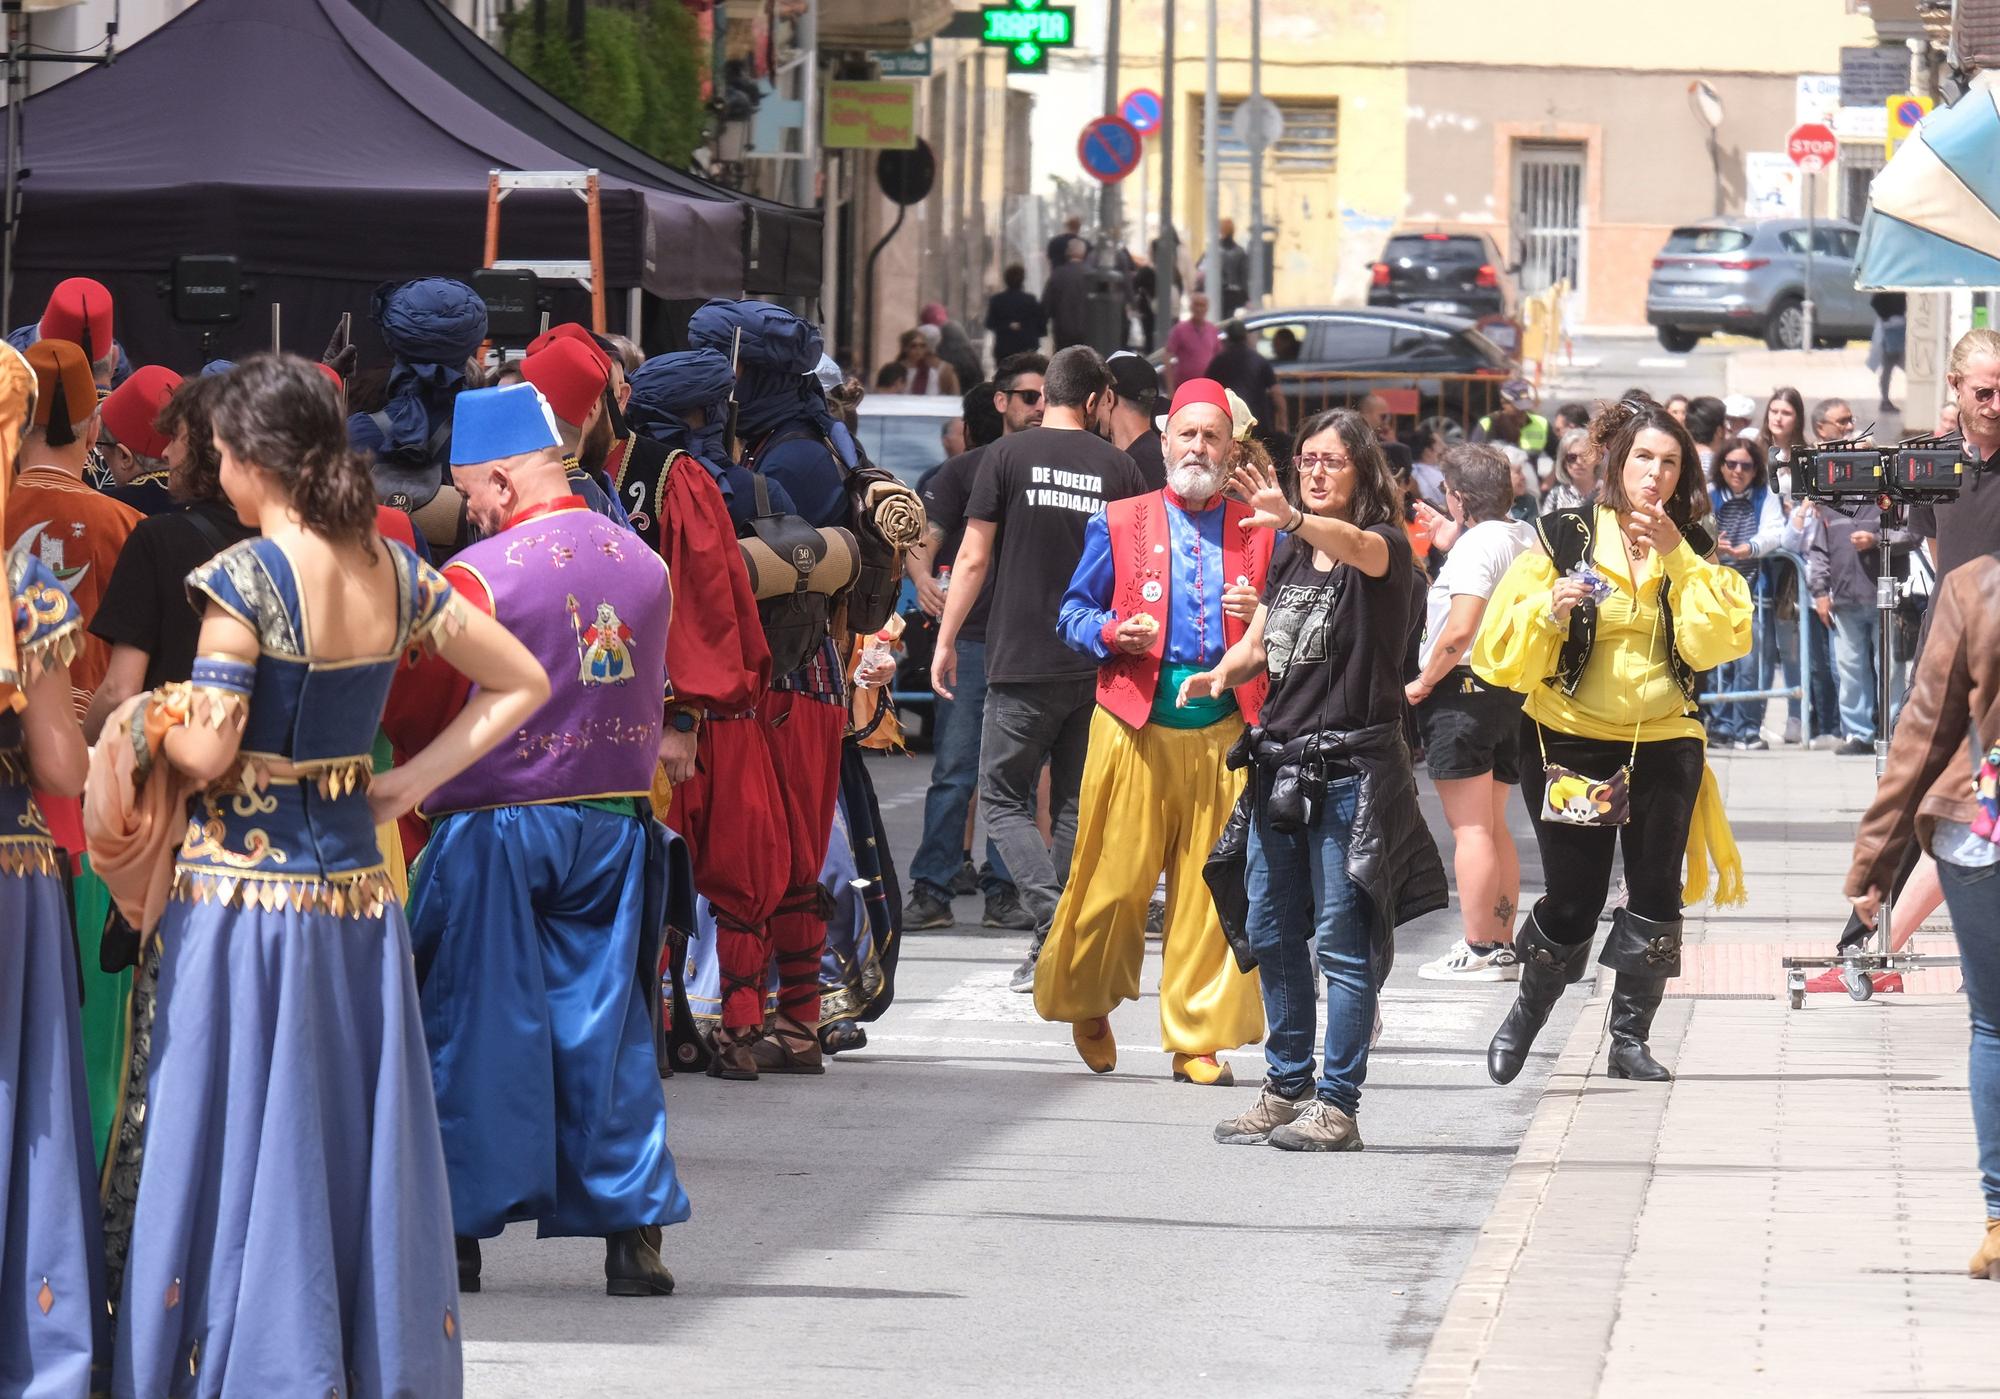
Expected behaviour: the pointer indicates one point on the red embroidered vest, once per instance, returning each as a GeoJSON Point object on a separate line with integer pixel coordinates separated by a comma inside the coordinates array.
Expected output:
{"type": "Point", "coordinates": [1141, 553]}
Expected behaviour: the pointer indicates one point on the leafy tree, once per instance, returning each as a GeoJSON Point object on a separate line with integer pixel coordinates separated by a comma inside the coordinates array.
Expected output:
{"type": "Point", "coordinates": [637, 71]}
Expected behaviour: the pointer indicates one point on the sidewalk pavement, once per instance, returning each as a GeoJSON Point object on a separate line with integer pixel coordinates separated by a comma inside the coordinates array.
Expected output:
{"type": "Point", "coordinates": [1793, 1214]}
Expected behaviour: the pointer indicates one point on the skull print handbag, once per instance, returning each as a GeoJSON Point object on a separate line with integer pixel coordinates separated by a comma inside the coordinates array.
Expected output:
{"type": "Point", "coordinates": [1572, 799]}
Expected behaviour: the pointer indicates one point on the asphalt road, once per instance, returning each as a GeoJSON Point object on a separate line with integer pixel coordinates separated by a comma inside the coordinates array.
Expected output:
{"type": "Point", "coordinates": [962, 1208]}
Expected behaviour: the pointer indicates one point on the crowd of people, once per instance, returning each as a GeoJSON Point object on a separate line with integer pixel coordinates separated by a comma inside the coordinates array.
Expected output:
{"type": "Point", "coordinates": [472, 745]}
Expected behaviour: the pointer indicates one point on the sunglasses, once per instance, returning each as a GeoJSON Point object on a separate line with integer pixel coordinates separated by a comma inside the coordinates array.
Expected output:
{"type": "Point", "coordinates": [1739, 463]}
{"type": "Point", "coordinates": [1028, 396]}
{"type": "Point", "coordinates": [1572, 458]}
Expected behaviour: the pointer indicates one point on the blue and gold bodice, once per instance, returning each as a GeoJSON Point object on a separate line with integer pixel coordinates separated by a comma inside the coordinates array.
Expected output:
{"type": "Point", "coordinates": [47, 630]}
{"type": "Point", "coordinates": [308, 841]}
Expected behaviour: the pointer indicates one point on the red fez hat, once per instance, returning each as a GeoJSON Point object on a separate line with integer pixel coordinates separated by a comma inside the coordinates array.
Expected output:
{"type": "Point", "coordinates": [570, 378]}
{"type": "Point", "coordinates": [570, 330]}
{"type": "Point", "coordinates": [332, 376]}
{"type": "Point", "coordinates": [131, 410]}
{"type": "Point", "coordinates": [1199, 391]}
{"type": "Point", "coordinates": [79, 311]}
{"type": "Point", "coordinates": [65, 392]}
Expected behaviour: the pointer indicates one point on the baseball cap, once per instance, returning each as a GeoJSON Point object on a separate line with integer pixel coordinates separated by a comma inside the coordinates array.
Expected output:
{"type": "Point", "coordinates": [1135, 379]}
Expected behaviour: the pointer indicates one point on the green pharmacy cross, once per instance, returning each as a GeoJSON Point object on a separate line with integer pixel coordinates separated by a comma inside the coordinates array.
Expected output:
{"type": "Point", "coordinates": [1027, 29]}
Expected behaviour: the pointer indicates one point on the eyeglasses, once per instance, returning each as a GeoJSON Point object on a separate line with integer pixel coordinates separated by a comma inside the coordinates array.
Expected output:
{"type": "Point", "coordinates": [1572, 458]}
{"type": "Point", "coordinates": [1322, 464]}
{"type": "Point", "coordinates": [1842, 422]}
{"type": "Point", "coordinates": [1739, 463]}
{"type": "Point", "coordinates": [1028, 396]}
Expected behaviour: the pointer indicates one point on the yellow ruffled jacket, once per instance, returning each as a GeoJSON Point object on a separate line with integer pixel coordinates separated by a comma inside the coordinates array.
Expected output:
{"type": "Point", "coordinates": [1626, 687]}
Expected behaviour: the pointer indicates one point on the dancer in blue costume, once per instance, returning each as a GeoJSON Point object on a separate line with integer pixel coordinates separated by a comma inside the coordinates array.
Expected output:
{"type": "Point", "coordinates": [52, 1324]}
{"type": "Point", "coordinates": [538, 905]}
{"type": "Point", "coordinates": [291, 1234]}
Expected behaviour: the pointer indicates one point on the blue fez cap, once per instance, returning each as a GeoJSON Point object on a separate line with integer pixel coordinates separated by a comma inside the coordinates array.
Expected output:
{"type": "Point", "coordinates": [494, 424]}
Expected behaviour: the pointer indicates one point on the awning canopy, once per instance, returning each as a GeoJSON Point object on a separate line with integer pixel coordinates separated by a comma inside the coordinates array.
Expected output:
{"type": "Point", "coordinates": [780, 243]}
{"type": "Point", "coordinates": [1932, 223]}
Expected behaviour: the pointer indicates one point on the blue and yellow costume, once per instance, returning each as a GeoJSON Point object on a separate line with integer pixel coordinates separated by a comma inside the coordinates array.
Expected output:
{"type": "Point", "coordinates": [293, 1226]}
{"type": "Point", "coordinates": [51, 1259]}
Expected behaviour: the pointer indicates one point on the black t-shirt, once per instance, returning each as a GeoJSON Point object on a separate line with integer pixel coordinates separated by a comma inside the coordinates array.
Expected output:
{"type": "Point", "coordinates": [946, 492]}
{"type": "Point", "coordinates": [1241, 368]}
{"type": "Point", "coordinates": [1970, 525]}
{"type": "Point", "coordinates": [1360, 626]}
{"type": "Point", "coordinates": [146, 603]}
{"type": "Point", "coordinates": [1151, 458]}
{"type": "Point", "coordinates": [1041, 487]}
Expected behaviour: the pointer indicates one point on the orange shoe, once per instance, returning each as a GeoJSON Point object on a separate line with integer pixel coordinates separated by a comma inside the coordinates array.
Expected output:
{"type": "Point", "coordinates": [1204, 1069]}
{"type": "Point", "coordinates": [1094, 1043]}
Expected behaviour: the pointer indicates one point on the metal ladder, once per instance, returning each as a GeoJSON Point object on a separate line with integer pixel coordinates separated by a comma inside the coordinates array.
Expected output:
{"type": "Point", "coordinates": [583, 183]}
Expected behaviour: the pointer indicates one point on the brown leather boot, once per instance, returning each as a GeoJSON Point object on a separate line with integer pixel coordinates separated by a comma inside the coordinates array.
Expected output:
{"type": "Point", "coordinates": [730, 1056]}
{"type": "Point", "coordinates": [1986, 1262]}
{"type": "Point", "coordinates": [787, 1047]}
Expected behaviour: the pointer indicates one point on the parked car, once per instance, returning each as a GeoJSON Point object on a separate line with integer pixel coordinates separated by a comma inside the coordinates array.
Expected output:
{"type": "Point", "coordinates": [1329, 357]}
{"type": "Point", "coordinates": [1748, 277]}
{"type": "Point", "coordinates": [1446, 274]}
{"type": "Point", "coordinates": [904, 433]}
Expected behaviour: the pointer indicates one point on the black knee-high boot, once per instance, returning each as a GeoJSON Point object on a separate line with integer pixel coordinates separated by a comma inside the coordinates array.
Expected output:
{"type": "Point", "coordinates": [1646, 954]}
{"type": "Point", "coordinates": [1546, 968]}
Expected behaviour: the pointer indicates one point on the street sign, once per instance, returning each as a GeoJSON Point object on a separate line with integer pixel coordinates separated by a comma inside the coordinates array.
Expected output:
{"type": "Point", "coordinates": [1109, 149]}
{"type": "Point", "coordinates": [870, 116]}
{"type": "Point", "coordinates": [905, 63]}
{"type": "Point", "coordinates": [906, 177]}
{"type": "Point", "coordinates": [1811, 147]}
{"type": "Point", "coordinates": [1027, 29]}
{"type": "Point", "coordinates": [1257, 116]}
{"type": "Point", "coordinates": [1870, 76]}
{"type": "Point", "coordinates": [1143, 109]}
{"type": "Point", "coordinates": [1906, 109]}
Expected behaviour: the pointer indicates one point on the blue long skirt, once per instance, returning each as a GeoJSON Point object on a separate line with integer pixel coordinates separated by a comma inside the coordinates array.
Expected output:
{"type": "Point", "coordinates": [536, 933]}
{"type": "Point", "coordinates": [293, 1229]}
{"type": "Point", "coordinates": [51, 1258]}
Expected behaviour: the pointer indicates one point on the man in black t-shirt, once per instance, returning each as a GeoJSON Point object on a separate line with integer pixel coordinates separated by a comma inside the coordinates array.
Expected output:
{"type": "Point", "coordinates": [1034, 493]}
{"type": "Point", "coordinates": [1127, 416]}
{"type": "Point", "coordinates": [1017, 399]}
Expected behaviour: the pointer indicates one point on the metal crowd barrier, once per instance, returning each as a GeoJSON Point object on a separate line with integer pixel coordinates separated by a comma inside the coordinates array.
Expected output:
{"type": "Point", "coordinates": [1465, 398]}
{"type": "Point", "coordinates": [1799, 691]}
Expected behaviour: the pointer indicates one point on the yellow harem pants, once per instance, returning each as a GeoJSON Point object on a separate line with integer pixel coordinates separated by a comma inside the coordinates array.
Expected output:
{"type": "Point", "coordinates": [1153, 798]}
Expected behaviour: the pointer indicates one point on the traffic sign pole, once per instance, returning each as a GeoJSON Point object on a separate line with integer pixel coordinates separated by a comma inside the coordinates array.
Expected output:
{"type": "Point", "coordinates": [1812, 216]}
{"type": "Point", "coordinates": [1812, 148]}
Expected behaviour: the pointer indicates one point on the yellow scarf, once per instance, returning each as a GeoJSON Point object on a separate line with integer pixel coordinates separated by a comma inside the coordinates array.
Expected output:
{"type": "Point", "coordinates": [1712, 843]}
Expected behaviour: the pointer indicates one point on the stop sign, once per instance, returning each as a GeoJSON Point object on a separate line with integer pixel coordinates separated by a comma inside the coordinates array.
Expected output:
{"type": "Point", "coordinates": [1812, 147]}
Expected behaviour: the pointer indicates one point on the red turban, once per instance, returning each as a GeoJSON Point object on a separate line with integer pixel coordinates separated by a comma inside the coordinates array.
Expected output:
{"type": "Point", "coordinates": [1199, 391]}
{"type": "Point", "coordinates": [570, 330]}
{"type": "Point", "coordinates": [79, 311]}
{"type": "Point", "coordinates": [570, 378]}
{"type": "Point", "coordinates": [133, 408]}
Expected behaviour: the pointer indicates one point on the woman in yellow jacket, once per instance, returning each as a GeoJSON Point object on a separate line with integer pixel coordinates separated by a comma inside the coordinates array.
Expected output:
{"type": "Point", "coordinates": [1605, 628]}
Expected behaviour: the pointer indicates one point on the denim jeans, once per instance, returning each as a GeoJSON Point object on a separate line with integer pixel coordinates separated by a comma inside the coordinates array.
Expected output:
{"type": "Point", "coordinates": [1973, 895]}
{"type": "Point", "coordinates": [1822, 685]}
{"type": "Point", "coordinates": [954, 778]}
{"type": "Point", "coordinates": [1741, 719]}
{"type": "Point", "coordinates": [1026, 726]}
{"type": "Point", "coordinates": [1309, 922]}
{"type": "Point", "coordinates": [1855, 633]}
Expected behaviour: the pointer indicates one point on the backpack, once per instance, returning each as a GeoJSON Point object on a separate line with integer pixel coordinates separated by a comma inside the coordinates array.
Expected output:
{"type": "Point", "coordinates": [878, 581]}
{"type": "Point", "coordinates": [796, 570]}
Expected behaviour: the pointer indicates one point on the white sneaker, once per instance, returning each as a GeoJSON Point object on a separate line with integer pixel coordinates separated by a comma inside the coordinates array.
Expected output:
{"type": "Point", "coordinates": [1463, 964]}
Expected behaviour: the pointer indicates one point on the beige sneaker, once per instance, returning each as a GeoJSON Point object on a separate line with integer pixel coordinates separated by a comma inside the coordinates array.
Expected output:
{"type": "Point", "coordinates": [1254, 1127]}
{"type": "Point", "coordinates": [1318, 1126]}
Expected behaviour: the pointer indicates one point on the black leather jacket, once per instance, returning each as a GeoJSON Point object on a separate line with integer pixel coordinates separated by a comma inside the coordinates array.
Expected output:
{"type": "Point", "coordinates": [1391, 855]}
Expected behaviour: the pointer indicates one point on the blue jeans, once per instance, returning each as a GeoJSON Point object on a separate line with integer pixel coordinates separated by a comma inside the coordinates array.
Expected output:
{"type": "Point", "coordinates": [1304, 910]}
{"type": "Point", "coordinates": [1741, 719]}
{"type": "Point", "coordinates": [954, 776]}
{"type": "Point", "coordinates": [1855, 633]}
{"type": "Point", "coordinates": [1973, 895]}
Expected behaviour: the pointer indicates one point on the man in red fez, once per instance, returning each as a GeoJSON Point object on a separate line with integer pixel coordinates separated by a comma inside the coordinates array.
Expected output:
{"type": "Point", "coordinates": [79, 311]}
{"type": "Point", "coordinates": [574, 375]}
{"type": "Point", "coordinates": [78, 532]}
{"type": "Point", "coordinates": [1167, 583]}
{"type": "Point", "coordinates": [133, 448]}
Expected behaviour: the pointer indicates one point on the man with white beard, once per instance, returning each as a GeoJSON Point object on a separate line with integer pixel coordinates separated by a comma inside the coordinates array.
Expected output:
{"type": "Point", "coordinates": [1166, 584]}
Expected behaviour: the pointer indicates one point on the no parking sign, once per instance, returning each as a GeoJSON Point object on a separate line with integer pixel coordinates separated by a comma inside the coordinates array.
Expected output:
{"type": "Point", "coordinates": [1109, 149]}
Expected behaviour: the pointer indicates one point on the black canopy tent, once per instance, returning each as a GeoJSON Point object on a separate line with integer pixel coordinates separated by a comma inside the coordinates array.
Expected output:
{"type": "Point", "coordinates": [781, 244]}
{"type": "Point", "coordinates": [299, 137]}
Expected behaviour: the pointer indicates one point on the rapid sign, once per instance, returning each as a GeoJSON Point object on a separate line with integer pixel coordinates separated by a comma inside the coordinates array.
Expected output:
{"type": "Point", "coordinates": [1027, 29]}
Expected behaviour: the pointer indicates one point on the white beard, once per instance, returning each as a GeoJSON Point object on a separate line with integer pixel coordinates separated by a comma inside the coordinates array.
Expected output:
{"type": "Point", "coordinates": [1196, 482]}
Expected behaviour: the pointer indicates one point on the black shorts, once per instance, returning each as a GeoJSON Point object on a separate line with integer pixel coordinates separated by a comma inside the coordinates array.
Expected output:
{"type": "Point", "coordinates": [1471, 729]}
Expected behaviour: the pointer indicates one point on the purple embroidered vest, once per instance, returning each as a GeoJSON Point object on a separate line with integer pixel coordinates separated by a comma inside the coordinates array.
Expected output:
{"type": "Point", "coordinates": [592, 602]}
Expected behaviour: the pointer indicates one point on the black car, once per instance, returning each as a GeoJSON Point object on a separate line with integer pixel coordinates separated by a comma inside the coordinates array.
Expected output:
{"type": "Point", "coordinates": [1448, 274]}
{"type": "Point", "coordinates": [1329, 357]}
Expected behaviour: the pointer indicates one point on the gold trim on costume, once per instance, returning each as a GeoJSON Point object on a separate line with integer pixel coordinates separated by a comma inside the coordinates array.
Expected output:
{"type": "Point", "coordinates": [349, 894]}
{"type": "Point", "coordinates": [26, 855]}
